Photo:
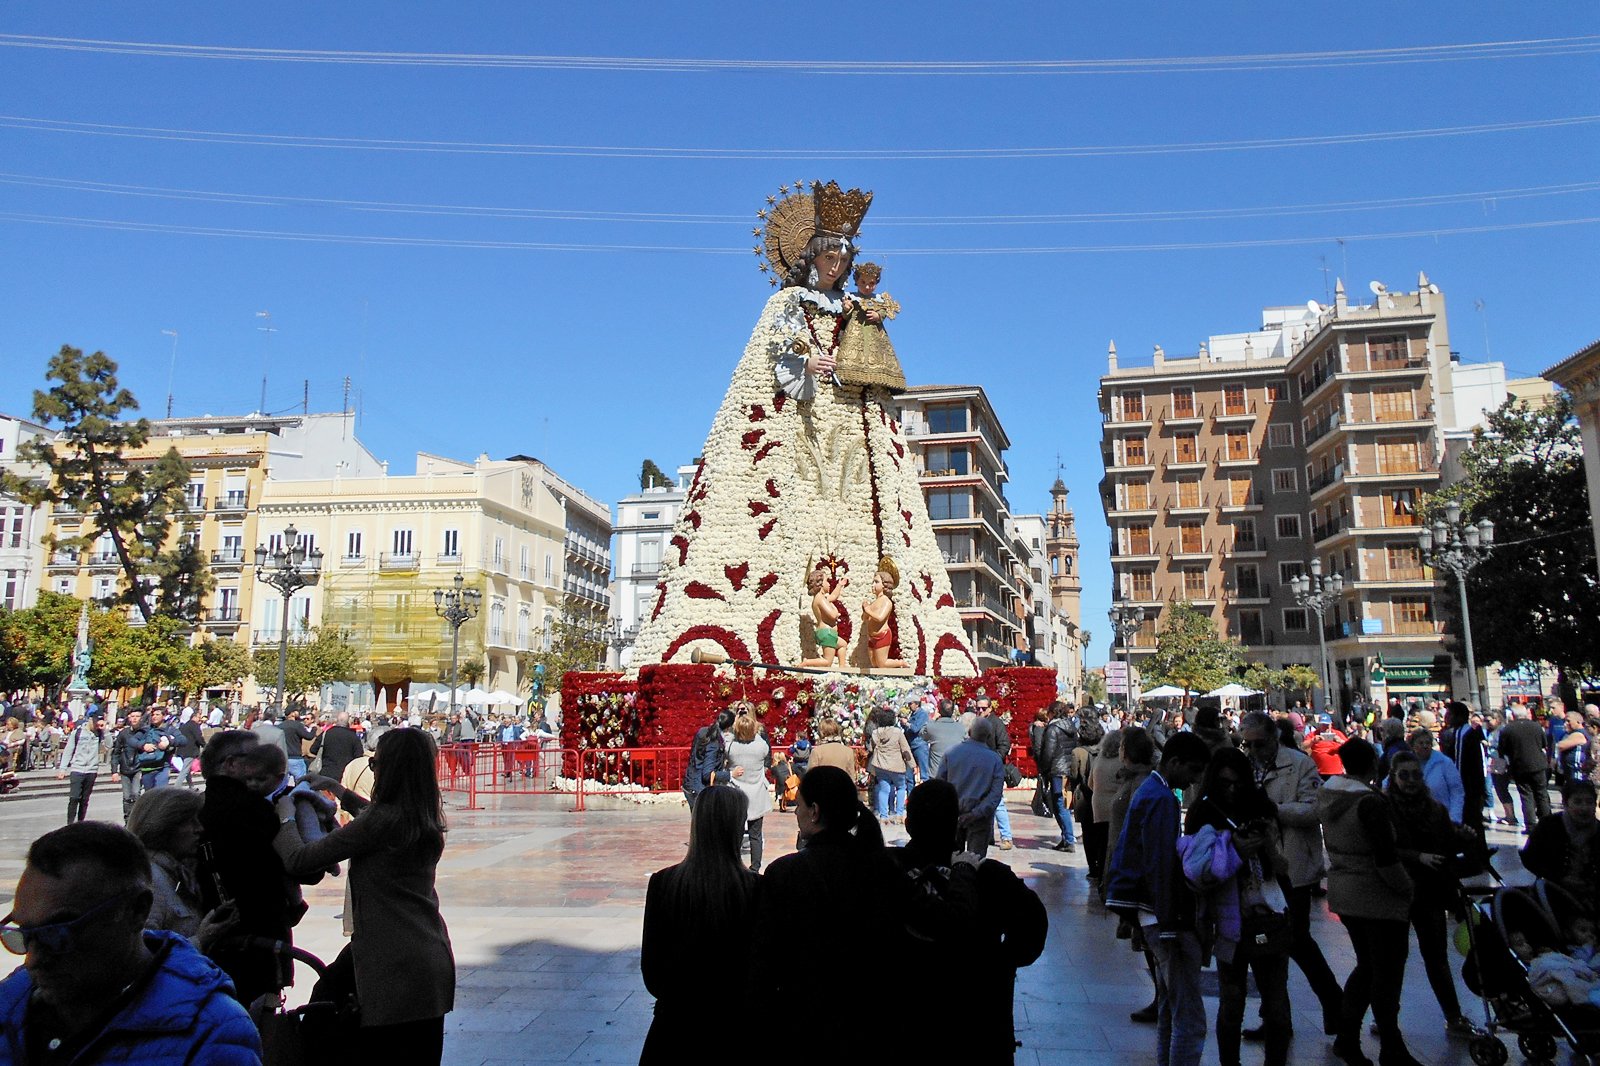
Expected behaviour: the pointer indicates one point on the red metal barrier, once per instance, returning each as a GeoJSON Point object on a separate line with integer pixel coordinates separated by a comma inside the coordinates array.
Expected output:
{"type": "Point", "coordinates": [521, 767]}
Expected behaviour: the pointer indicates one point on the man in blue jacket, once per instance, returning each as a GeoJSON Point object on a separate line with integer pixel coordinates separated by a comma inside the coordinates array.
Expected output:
{"type": "Point", "coordinates": [98, 988]}
{"type": "Point", "coordinates": [1146, 883]}
{"type": "Point", "coordinates": [975, 769]}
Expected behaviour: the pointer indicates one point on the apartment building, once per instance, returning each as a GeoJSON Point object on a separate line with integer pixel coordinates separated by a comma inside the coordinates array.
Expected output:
{"type": "Point", "coordinates": [959, 446]}
{"type": "Point", "coordinates": [530, 542]}
{"type": "Point", "coordinates": [229, 459]}
{"type": "Point", "coordinates": [643, 527]}
{"type": "Point", "coordinates": [22, 525]}
{"type": "Point", "coordinates": [1314, 437]}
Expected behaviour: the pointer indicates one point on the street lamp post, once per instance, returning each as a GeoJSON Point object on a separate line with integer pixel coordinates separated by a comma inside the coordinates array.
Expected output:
{"type": "Point", "coordinates": [1316, 593]}
{"type": "Point", "coordinates": [287, 568]}
{"type": "Point", "coordinates": [1456, 546]}
{"type": "Point", "coordinates": [1125, 621]}
{"type": "Point", "coordinates": [456, 605]}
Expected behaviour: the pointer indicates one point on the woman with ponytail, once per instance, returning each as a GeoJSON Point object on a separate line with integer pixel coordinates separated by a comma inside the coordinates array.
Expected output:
{"type": "Point", "coordinates": [816, 898]}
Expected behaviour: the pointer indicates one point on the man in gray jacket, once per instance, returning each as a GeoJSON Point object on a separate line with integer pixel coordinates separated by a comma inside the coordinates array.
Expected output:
{"type": "Point", "coordinates": [80, 757]}
{"type": "Point", "coordinates": [942, 734]}
{"type": "Point", "coordinates": [1291, 781]}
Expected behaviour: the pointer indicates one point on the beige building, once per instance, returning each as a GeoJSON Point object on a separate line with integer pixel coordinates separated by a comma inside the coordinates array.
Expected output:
{"type": "Point", "coordinates": [960, 452]}
{"type": "Point", "coordinates": [1315, 437]}
{"type": "Point", "coordinates": [1579, 374]}
{"type": "Point", "coordinates": [22, 525]}
{"type": "Point", "coordinates": [535, 546]}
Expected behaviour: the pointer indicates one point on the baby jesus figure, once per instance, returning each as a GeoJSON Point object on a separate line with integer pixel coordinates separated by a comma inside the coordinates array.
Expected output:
{"type": "Point", "coordinates": [865, 356]}
{"type": "Point", "coordinates": [875, 615]}
{"type": "Point", "coordinates": [825, 596]}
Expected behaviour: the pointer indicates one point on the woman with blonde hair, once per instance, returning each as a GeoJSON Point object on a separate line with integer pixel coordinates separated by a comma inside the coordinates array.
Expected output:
{"type": "Point", "coordinates": [699, 914]}
{"type": "Point", "coordinates": [750, 752]}
{"type": "Point", "coordinates": [831, 750]}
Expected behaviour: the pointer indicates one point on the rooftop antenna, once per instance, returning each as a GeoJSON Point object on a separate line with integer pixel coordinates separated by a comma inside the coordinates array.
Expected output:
{"type": "Point", "coordinates": [173, 369]}
{"type": "Point", "coordinates": [344, 409]}
{"type": "Point", "coordinates": [1327, 294]}
{"type": "Point", "coordinates": [266, 331]}
{"type": "Point", "coordinates": [1484, 317]}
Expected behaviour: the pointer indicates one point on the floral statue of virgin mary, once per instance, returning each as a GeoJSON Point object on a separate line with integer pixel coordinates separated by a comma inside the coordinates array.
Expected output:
{"type": "Point", "coordinates": [806, 468]}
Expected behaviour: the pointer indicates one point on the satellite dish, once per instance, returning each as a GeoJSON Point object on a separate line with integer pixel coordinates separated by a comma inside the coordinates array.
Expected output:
{"type": "Point", "coordinates": [1378, 288]}
{"type": "Point", "coordinates": [1433, 288]}
{"type": "Point", "coordinates": [1315, 308]}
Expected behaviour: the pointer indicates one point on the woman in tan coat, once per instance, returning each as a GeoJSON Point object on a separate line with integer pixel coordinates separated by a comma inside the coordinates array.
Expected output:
{"type": "Point", "coordinates": [405, 971]}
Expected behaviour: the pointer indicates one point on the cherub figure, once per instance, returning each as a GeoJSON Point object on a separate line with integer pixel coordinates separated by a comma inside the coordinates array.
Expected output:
{"type": "Point", "coordinates": [875, 615]}
{"type": "Point", "coordinates": [826, 594]}
{"type": "Point", "coordinates": [865, 356]}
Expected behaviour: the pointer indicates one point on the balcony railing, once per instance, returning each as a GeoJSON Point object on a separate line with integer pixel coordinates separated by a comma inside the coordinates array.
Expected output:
{"type": "Point", "coordinates": [1203, 547]}
{"type": "Point", "coordinates": [104, 559]}
{"type": "Point", "coordinates": [1201, 502]}
{"type": "Point", "coordinates": [64, 559]}
{"type": "Point", "coordinates": [224, 616]}
{"type": "Point", "coordinates": [452, 559]}
{"type": "Point", "coordinates": [1327, 477]}
{"type": "Point", "coordinates": [1234, 410]}
{"type": "Point", "coordinates": [352, 559]}
{"type": "Point", "coordinates": [1247, 454]}
{"type": "Point", "coordinates": [650, 569]}
{"type": "Point", "coordinates": [233, 501]}
{"type": "Point", "coordinates": [1315, 431]}
{"type": "Point", "coordinates": [1134, 551]}
{"type": "Point", "coordinates": [398, 561]}
{"type": "Point", "coordinates": [195, 503]}
{"type": "Point", "coordinates": [228, 557]}
{"type": "Point", "coordinates": [1418, 627]}
{"type": "Point", "coordinates": [1324, 530]}
{"type": "Point", "coordinates": [1198, 457]}
{"type": "Point", "coordinates": [1261, 590]}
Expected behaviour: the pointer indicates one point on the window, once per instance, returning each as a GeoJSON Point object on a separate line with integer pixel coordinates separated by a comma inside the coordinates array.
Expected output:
{"type": "Point", "coordinates": [955, 547]}
{"type": "Point", "coordinates": [1133, 451]}
{"type": "Point", "coordinates": [1400, 507]}
{"type": "Point", "coordinates": [1413, 614]}
{"type": "Point", "coordinates": [1186, 448]}
{"type": "Point", "coordinates": [352, 544]}
{"type": "Point", "coordinates": [1287, 572]}
{"type": "Point", "coordinates": [650, 516]}
{"type": "Point", "coordinates": [947, 460]}
{"type": "Point", "coordinates": [1294, 620]}
{"type": "Point", "coordinates": [1194, 583]}
{"type": "Point", "coordinates": [949, 503]}
{"type": "Point", "coordinates": [523, 622]}
{"type": "Point", "coordinates": [1398, 455]}
{"type": "Point", "coordinates": [1392, 403]}
{"type": "Point", "coordinates": [1136, 495]}
{"type": "Point", "coordinates": [525, 563]}
{"type": "Point", "coordinates": [1274, 391]}
{"type": "Point", "coordinates": [947, 418]}
{"type": "Point", "coordinates": [1244, 535]}
{"type": "Point", "coordinates": [1289, 526]}
{"type": "Point", "coordinates": [1189, 492]}
{"type": "Point", "coordinates": [1284, 480]}
{"type": "Point", "coordinates": [549, 570]}
{"type": "Point", "coordinates": [1405, 562]}
{"type": "Point", "coordinates": [451, 548]}
{"type": "Point", "coordinates": [1142, 584]}
{"type": "Point", "coordinates": [1248, 580]}
{"type": "Point", "coordinates": [195, 495]}
{"type": "Point", "coordinates": [499, 553]}
{"type": "Point", "coordinates": [1239, 491]}
{"type": "Point", "coordinates": [1280, 435]}
{"type": "Point", "coordinates": [1139, 539]}
{"type": "Point", "coordinates": [1250, 627]}
{"type": "Point", "coordinates": [401, 543]}
{"type": "Point", "coordinates": [306, 542]}
{"type": "Point", "coordinates": [1238, 444]}
{"type": "Point", "coordinates": [16, 526]}
{"type": "Point", "coordinates": [10, 601]}
{"type": "Point", "coordinates": [64, 586]}
{"type": "Point", "coordinates": [1191, 537]}
{"type": "Point", "coordinates": [402, 608]}
{"type": "Point", "coordinates": [1233, 399]}
{"type": "Point", "coordinates": [1132, 405]}
{"type": "Point", "coordinates": [1387, 351]}
{"type": "Point", "coordinates": [1183, 402]}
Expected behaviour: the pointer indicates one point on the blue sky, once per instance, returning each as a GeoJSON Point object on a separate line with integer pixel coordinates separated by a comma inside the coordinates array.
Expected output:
{"type": "Point", "coordinates": [616, 344]}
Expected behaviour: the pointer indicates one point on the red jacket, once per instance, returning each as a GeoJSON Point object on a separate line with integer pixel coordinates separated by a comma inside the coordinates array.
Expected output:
{"type": "Point", "coordinates": [1323, 748]}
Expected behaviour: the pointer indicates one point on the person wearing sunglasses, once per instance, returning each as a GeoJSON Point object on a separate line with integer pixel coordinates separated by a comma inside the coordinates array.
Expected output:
{"type": "Point", "coordinates": [96, 986]}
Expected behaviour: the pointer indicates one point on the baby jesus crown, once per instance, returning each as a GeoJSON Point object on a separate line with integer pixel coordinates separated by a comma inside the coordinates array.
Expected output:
{"type": "Point", "coordinates": [838, 212]}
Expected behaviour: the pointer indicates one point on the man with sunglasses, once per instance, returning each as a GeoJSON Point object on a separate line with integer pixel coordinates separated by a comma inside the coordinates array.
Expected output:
{"type": "Point", "coordinates": [1291, 782]}
{"type": "Point", "coordinates": [96, 987]}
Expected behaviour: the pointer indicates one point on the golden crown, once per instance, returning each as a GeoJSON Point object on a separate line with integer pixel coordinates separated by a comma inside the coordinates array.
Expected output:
{"type": "Point", "coordinates": [838, 212]}
{"type": "Point", "coordinates": [886, 566]}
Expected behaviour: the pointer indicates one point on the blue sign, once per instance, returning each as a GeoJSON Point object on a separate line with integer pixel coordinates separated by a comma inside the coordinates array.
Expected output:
{"type": "Point", "coordinates": [1372, 625]}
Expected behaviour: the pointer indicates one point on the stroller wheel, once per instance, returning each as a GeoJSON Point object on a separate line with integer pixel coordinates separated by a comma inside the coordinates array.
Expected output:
{"type": "Point", "coordinates": [1488, 1051]}
{"type": "Point", "coordinates": [1538, 1047]}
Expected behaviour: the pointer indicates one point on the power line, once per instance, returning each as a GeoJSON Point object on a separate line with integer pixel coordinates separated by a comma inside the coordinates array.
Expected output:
{"type": "Point", "coordinates": [680, 249]}
{"type": "Point", "coordinates": [385, 144]}
{"type": "Point", "coordinates": [1471, 51]}
{"type": "Point", "coordinates": [878, 220]}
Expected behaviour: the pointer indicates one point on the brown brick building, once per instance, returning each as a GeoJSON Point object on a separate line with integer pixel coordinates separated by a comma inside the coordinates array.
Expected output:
{"type": "Point", "coordinates": [1315, 437]}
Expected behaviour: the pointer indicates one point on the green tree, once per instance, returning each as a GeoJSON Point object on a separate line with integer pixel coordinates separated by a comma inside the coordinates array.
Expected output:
{"type": "Point", "coordinates": [182, 581]}
{"type": "Point", "coordinates": [133, 506]}
{"type": "Point", "coordinates": [312, 663]}
{"type": "Point", "coordinates": [469, 671]}
{"type": "Point", "coordinates": [36, 644]}
{"type": "Point", "coordinates": [218, 664]}
{"type": "Point", "coordinates": [1190, 654]}
{"type": "Point", "coordinates": [1300, 680]}
{"type": "Point", "coordinates": [572, 646]}
{"type": "Point", "coordinates": [1536, 597]}
{"type": "Point", "coordinates": [1094, 687]}
{"type": "Point", "coordinates": [1266, 678]}
{"type": "Point", "coordinates": [650, 476]}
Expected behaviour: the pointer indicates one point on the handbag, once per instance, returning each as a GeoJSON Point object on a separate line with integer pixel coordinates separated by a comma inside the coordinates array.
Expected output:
{"type": "Point", "coordinates": [1264, 933]}
{"type": "Point", "coordinates": [1013, 776]}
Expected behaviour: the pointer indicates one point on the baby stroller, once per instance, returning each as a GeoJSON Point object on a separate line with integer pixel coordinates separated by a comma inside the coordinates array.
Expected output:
{"type": "Point", "coordinates": [1494, 972]}
{"type": "Point", "coordinates": [323, 1030]}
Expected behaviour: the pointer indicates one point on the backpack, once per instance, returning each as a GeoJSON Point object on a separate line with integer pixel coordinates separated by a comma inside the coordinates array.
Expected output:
{"type": "Point", "coordinates": [942, 906]}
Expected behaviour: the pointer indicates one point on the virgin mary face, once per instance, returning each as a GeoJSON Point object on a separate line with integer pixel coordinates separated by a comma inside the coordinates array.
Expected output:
{"type": "Point", "coordinates": [830, 266]}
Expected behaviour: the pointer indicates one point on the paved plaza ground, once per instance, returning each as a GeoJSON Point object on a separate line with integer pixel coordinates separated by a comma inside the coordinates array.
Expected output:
{"type": "Point", "coordinates": [545, 904]}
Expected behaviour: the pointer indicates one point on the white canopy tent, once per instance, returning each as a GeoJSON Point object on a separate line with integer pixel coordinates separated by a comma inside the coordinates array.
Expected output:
{"type": "Point", "coordinates": [1233, 690]}
{"type": "Point", "coordinates": [1166, 692]}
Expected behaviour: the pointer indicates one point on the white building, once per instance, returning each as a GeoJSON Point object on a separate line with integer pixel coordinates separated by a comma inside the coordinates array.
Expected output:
{"type": "Point", "coordinates": [643, 524]}
{"type": "Point", "coordinates": [22, 525]}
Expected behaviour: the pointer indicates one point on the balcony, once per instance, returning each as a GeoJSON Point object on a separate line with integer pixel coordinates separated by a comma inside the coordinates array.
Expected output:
{"type": "Point", "coordinates": [1245, 546]}
{"type": "Point", "coordinates": [1321, 531]}
{"type": "Point", "coordinates": [1193, 505]}
{"type": "Point", "coordinates": [64, 509]}
{"type": "Point", "coordinates": [228, 558]}
{"type": "Point", "coordinates": [1226, 412]}
{"type": "Point", "coordinates": [1250, 501]}
{"type": "Point", "coordinates": [196, 504]}
{"type": "Point", "coordinates": [1239, 456]}
{"type": "Point", "coordinates": [1404, 364]}
{"type": "Point", "coordinates": [1136, 553]}
{"type": "Point", "coordinates": [1398, 470]}
{"type": "Point", "coordinates": [1126, 419]}
{"type": "Point", "coordinates": [1144, 508]}
{"type": "Point", "coordinates": [1194, 460]}
{"type": "Point", "coordinates": [525, 572]}
{"type": "Point", "coordinates": [1128, 463]}
{"type": "Point", "coordinates": [398, 561]}
{"type": "Point", "coordinates": [1182, 416]}
{"type": "Point", "coordinates": [1421, 627]}
{"type": "Point", "coordinates": [652, 569]}
{"type": "Point", "coordinates": [64, 561]}
{"type": "Point", "coordinates": [1191, 551]}
{"type": "Point", "coordinates": [352, 559]}
{"type": "Point", "coordinates": [103, 560]}
{"type": "Point", "coordinates": [233, 501]}
{"type": "Point", "coordinates": [1259, 592]}
{"type": "Point", "coordinates": [1200, 594]}
{"type": "Point", "coordinates": [224, 616]}
{"type": "Point", "coordinates": [1330, 476]}
{"type": "Point", "coordinates": [448, 558]}
{"type": "Point", "coordinates": [1315, 431]}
